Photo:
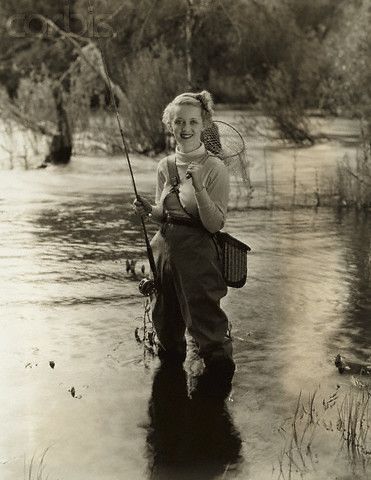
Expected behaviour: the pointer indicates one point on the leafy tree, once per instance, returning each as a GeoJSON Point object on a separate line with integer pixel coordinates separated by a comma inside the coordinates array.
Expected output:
{"type": "Point", "coordinates": [285, 57]}
{"type": "Point", "coordinates": [286, 60]}
{"type": "Point", "coordinates": [348, 86]}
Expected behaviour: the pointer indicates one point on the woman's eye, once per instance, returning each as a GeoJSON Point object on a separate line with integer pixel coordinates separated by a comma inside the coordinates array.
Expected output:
{"type": "Point", "coordinates": [177, 122]}
{"type": "Point", "coordinates": [194, 122]}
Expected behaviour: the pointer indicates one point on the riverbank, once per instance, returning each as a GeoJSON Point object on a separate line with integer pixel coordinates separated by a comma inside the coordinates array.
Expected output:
{"type": "Point", "coordinates": [281, 175]}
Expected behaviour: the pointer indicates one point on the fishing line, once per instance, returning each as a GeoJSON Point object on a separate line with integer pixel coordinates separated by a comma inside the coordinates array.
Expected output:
{"type": "Point", "coordinates": [146, 286]}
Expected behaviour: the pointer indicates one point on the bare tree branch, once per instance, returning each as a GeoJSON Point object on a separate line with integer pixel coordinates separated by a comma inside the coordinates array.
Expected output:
{"type": "Point", "coordinates": [10, 109]}
{"type": "Point", "coordinates": [150, 10]}
{"type": "Point", "coordinates": [74, 39]}
{"type": "Point", "coordinates": [15, 48]}
{"type": "Point", "coordinates": [116, 12]}
{"type": "Point", "coordinates": [349, 170]}
{"type": "Point", "coordinates": [239, 37]}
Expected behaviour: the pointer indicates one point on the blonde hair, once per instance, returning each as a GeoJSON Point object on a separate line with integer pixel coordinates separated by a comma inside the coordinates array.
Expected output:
{"type": "Point", "coordinates": [202, 100]}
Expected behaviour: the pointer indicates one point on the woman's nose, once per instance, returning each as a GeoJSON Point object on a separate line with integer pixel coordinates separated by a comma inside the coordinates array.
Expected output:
{"type": "Point", "coordinates": [186, 127]}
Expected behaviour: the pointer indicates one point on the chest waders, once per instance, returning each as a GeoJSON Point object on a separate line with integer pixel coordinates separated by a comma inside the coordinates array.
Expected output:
{"type": "Point", "coordinates": [190, 287]}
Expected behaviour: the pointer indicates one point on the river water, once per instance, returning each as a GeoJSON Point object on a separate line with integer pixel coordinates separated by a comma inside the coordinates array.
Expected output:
{"type": "Point", "coordinates": [66, 298]}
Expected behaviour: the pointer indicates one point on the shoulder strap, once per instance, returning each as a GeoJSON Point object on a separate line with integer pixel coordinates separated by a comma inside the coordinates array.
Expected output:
{"type": "Point", "coordinates": [173, 173]}
{"type": "Point", "coordinates": [175, 181]}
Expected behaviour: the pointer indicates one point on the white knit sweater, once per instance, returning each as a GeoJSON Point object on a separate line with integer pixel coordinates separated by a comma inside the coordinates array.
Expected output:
{"type": "Point", "coordinates": [210, 204]}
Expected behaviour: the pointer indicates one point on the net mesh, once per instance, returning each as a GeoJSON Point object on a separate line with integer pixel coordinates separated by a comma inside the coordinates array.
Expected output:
{"type": "Point", "coordinates": [224, 141]}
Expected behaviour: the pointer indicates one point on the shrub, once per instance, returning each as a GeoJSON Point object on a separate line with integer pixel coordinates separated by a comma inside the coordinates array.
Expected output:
{"type": "Point", "coordinates": [152, 79]}
{"type": "Point", "coordinates": [276, 96]}
{"type": "Point", "coordinates": [353, 182]}
{"type": "Point", "coordinates": [35, 98]}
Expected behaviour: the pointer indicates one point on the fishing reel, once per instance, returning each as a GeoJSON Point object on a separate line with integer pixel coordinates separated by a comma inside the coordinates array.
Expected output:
{"type": "Point", "coordinates": [147, 287]}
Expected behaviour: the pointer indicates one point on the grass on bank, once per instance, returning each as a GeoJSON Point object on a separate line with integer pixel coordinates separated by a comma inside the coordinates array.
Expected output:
{"type": "Point", "coordinates": [353, 183]}
{"type": "Point", "coordinates": [341, 420]}
{"type": "Point", "coordinates": [35, 470]}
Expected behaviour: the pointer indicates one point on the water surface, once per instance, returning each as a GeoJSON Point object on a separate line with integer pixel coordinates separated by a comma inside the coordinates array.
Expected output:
{"type": "Point", "coordinates": [65, 297]}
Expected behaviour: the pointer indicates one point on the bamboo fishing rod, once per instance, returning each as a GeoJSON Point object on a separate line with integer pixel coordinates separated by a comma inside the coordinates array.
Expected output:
{"type": "Point", "coordinates": [146, 286]}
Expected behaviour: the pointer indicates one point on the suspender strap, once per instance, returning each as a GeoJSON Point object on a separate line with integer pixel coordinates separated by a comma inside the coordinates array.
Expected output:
{"type": "Point", "coordinates": [173, 173]}
{"type": "Point", "coordinates": [175, 181]}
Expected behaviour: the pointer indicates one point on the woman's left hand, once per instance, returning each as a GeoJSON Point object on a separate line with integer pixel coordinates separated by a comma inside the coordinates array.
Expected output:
{"type": "Point", "coordinates": [194, 170]}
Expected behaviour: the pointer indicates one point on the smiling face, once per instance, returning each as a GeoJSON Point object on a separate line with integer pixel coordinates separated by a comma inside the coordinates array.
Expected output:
{"type": "Point", "coordinates": [186, 125]}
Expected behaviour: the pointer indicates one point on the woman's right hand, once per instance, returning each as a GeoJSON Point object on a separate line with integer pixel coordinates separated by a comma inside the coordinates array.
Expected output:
{"type": "Point", "coordinates": [142, 206]}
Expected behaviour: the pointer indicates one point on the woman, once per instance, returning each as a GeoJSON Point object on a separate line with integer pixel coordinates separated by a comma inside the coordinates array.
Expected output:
{"type": "Point", "coordinates": [191, 204]}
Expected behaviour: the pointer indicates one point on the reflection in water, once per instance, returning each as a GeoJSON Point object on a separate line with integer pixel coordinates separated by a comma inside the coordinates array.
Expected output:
{"type": "Point", "coordinates": [99, 229]}
{"type": "Point", "coordinates": [356, 232]}
{"type": "Point", "coordinates": [188, 438]}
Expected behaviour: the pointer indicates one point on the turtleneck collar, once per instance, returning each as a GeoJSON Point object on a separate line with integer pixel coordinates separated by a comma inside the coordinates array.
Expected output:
{"type": "Point", "coordinates": [190, 156]}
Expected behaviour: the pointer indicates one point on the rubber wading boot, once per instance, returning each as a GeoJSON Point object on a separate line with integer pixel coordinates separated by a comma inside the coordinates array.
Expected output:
{"type": "Point", "coordinates": [216, 380]}
{"type": "Point", "coordinates": [172, 357]}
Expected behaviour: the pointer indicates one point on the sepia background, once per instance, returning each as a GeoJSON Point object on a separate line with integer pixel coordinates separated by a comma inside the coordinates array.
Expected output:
{"type": "Point", "coordinates": [81, 394]}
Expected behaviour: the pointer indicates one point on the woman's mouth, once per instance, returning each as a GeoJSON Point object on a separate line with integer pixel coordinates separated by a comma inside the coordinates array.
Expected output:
{"type": "Point", "coordinates": [186, 136]}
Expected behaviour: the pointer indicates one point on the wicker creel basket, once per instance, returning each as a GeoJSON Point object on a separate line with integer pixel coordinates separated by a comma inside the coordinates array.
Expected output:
{"type": "Point", "coordinates": [234, 259]}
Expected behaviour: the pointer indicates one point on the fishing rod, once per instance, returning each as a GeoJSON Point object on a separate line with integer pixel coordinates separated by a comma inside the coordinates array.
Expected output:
{"type": "Point", "coordinates": [147, 286]}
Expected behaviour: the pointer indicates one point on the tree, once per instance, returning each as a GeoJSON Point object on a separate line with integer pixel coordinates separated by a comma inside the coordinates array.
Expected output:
{"type": "Point", "coordinates": [285, 60]}
{"type": "Point", "coordinates": [348, 49]}
{"type": "Point", "coordinates": [124, 51]}
{"type": "Point", "coordinates": [32, 53]}
{"type": "Point", "coordinates": [285, 57]}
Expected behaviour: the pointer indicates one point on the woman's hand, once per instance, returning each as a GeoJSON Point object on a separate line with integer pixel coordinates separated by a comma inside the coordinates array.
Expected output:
{"type": "Point", "coordinates": [194, 171]}
{"type": "Point", "coordinates": [142, 206]}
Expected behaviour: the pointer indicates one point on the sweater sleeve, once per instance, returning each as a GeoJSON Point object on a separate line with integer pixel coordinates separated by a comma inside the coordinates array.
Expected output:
{"type": "Point", "coordinates": [212, 201]}
{"type": "Point", "coordinates": [157, 210]}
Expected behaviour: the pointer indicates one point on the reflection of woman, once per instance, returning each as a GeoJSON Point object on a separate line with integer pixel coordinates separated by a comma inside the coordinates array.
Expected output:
{"type": "Point", "coordinates": [188, 439]}
{"type": "Point", "coordinates": [191, 204]}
